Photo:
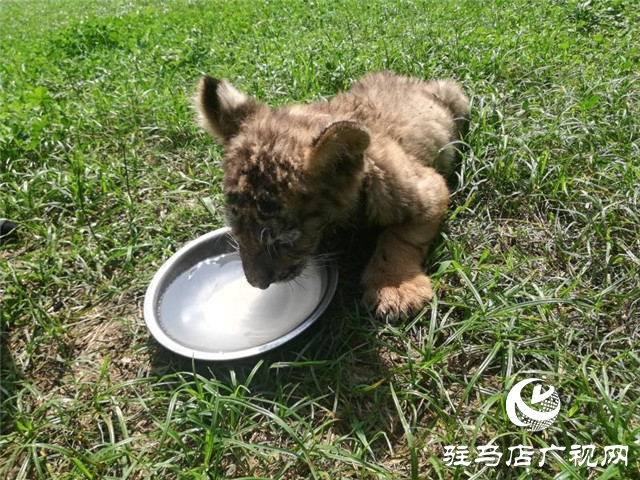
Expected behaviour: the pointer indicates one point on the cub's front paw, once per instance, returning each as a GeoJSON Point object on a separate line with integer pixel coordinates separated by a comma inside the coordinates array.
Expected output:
{"type": "Point", "coordinates": [393, 300]}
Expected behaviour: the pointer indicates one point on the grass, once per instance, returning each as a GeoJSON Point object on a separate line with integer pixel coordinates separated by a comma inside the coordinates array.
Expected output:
{"type": "Point", "coordinates": [538, 274]}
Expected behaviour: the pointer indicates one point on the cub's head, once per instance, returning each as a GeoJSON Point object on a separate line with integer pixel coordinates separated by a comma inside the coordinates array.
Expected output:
{"type": "Point", "coordinates": [288, 174]}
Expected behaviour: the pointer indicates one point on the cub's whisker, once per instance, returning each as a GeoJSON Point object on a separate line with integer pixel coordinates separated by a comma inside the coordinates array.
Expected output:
{"type": "Point", "coordinates": [321, 260]}
{"type": "Point", "coordinates": [233, 243]}
{"type": "Point", "coordinates": [299, 285]}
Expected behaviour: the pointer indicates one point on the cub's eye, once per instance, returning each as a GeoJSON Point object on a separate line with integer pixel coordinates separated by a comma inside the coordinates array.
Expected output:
{"type": "Point", "coordinates": [267, 207]}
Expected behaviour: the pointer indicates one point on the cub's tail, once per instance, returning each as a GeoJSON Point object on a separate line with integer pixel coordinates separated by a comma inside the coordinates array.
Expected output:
{"type": "Point", "coordinates": [450, 94]}
{"type": "Point", "coordinates": [449, 160]}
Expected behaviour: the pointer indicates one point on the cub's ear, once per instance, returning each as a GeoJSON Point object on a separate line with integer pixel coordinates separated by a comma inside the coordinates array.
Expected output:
{"type": "Point", "coordinates": [222, 108]}
{"type": "Point", "coordinates": [339, 148]}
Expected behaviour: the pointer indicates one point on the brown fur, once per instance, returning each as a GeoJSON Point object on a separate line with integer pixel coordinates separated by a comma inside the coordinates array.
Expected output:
{"type": "Point", "coordinates": [368, 156]}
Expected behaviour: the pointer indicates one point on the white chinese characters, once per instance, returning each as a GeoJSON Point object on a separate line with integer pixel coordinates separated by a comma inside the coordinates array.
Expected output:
{"type": "Point", "coordinates": [523, 455]}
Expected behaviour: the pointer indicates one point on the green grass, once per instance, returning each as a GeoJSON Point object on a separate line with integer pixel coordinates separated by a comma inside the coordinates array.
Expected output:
{"type": "Point", "coordinates": [538, 273]}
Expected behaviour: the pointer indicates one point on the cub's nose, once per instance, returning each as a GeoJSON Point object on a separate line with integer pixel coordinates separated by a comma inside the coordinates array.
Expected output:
{"type": "Point", "coordinates": [259, 271]}
{"type": "Point", "coordinates": [260, 282]}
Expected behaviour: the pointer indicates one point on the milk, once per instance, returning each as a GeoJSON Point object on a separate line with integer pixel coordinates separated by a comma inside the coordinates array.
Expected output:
{"type": "Point", "coordinates": [212, 307]}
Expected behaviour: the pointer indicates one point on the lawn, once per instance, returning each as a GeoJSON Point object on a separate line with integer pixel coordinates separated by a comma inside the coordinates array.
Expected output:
{"type": "Point", "coordinates": [537, 274]}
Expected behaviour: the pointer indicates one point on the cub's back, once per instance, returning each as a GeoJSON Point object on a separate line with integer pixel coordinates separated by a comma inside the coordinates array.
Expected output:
{"type": "Point", "coordinates": [422, 117]}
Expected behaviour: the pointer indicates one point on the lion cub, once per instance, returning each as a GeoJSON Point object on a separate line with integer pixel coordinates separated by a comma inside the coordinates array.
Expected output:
{"type": "Point", "coordinates": [365, 157]}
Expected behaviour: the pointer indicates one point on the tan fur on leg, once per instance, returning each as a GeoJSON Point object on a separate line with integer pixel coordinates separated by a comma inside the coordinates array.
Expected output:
{"type": "Point", "coordinates": [394, 283]}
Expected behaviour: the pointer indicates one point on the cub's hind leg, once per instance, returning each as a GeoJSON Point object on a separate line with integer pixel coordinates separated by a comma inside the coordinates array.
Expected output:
{"type": "Point", "coordinates": [395, 285]}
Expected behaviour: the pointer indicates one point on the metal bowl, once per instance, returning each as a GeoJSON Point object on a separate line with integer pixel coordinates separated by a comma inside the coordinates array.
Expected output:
{"type": "Point", "coordinates": [200, 305]}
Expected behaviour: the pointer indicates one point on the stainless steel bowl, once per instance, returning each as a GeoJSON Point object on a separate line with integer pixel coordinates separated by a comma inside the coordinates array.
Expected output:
{"type": "Point", "coordinates": [199, 305]}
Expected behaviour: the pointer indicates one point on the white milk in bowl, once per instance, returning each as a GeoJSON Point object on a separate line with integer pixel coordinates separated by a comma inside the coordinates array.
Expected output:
{"type": "Point", "coordinates": [212, 307]}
